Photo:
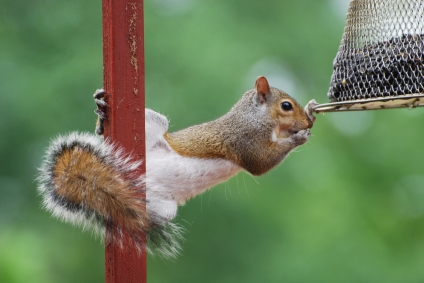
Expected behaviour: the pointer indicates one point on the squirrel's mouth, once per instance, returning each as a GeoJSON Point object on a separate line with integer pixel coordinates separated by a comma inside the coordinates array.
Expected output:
{"type": "Point", "coordinates": [284, 134]}
{"type": "Point", "coordinates": [279, 134]}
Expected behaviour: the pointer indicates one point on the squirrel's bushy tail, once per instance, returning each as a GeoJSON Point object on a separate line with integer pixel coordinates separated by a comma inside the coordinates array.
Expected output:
{"type": "Point", "coordinates": [93, 184]}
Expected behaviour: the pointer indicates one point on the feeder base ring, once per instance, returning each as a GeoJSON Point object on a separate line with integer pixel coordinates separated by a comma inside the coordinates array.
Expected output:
{"type": "Point", "coordinates": [410, 101]}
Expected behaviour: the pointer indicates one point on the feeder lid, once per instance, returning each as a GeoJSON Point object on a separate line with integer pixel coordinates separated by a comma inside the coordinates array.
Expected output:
{"type": "Point", "coordinates": [380, 61]}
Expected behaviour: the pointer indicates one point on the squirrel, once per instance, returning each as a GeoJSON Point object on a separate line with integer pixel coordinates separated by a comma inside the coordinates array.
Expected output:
{"type": "Point", "coordinates": [92, 182]}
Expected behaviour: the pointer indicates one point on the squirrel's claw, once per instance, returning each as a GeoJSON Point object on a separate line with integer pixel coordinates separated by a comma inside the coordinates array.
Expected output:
{"type": "Point", "coordinates": [309, 109]}
{"type": "Point", "coordinates": [100, 111]}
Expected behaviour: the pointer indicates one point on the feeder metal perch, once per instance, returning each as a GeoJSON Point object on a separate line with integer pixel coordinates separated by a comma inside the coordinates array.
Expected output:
{"type": "Point", "coordinates": [380, 61]}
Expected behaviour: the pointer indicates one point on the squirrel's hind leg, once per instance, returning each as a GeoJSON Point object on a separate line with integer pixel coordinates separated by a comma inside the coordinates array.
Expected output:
{"type": "Point", "coordinates": [160, 210]}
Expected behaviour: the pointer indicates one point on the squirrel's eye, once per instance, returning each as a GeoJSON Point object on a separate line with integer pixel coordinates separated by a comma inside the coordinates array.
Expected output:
{"type": "Point", "coordinates": [286, 106]}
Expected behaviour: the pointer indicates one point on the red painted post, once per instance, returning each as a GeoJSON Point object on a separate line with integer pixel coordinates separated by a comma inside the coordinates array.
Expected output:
{"type": "Point", "coordinates": [123, 60]}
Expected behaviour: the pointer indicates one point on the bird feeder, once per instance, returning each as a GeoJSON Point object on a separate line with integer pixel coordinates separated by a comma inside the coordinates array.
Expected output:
{"type": "Point", "coordinates": [380, 61]}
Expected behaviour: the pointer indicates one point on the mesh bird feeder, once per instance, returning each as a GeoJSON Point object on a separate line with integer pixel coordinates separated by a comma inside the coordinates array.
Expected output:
{"type": "Point", "coordinates": [380, 61]}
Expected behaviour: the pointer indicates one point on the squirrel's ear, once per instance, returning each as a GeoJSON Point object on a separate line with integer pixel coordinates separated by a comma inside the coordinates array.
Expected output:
{"type": "Point", "coordinates": [262, 88]}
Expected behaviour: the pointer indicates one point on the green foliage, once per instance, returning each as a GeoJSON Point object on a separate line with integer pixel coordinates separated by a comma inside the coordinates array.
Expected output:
{"type": "Point", "coordinates": [346, 207]}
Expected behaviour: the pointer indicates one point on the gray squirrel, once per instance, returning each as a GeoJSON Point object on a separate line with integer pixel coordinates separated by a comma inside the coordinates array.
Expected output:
{"type": "Point", "coordinates": [93, 183]}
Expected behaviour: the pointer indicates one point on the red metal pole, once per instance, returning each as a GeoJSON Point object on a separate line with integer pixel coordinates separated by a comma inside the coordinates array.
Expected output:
{"type": "Point", "coordinates": [123, 60]}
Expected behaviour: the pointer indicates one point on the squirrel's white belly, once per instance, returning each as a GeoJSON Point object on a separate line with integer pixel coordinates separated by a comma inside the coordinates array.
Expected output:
{"type": "Point", "coordinates": [172, 179]}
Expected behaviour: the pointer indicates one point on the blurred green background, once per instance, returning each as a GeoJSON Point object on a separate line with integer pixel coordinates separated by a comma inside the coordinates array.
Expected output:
{"type": "Point", "coordinates": [346, 207]}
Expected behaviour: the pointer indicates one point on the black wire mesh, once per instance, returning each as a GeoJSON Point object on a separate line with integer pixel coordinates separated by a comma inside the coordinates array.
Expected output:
{"type": "Point", "coordinates": [382, 51]}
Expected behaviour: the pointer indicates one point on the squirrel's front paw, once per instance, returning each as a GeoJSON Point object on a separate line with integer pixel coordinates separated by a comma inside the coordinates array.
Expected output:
{"type": "Point", "coordinates": [100, 111]}
{"type": "Point", "coordinates": [301, 137]}
{"type": "Point", "coordinates": [309, 109]}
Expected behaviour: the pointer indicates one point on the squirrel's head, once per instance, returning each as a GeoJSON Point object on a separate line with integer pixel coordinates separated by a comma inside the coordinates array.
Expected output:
{"type": "Point", "coordinates": [285, 111]}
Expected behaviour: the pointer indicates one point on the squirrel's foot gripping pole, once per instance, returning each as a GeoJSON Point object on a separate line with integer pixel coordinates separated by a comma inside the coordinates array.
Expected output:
{"type": "Point", "coordinates": [100, 111]}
